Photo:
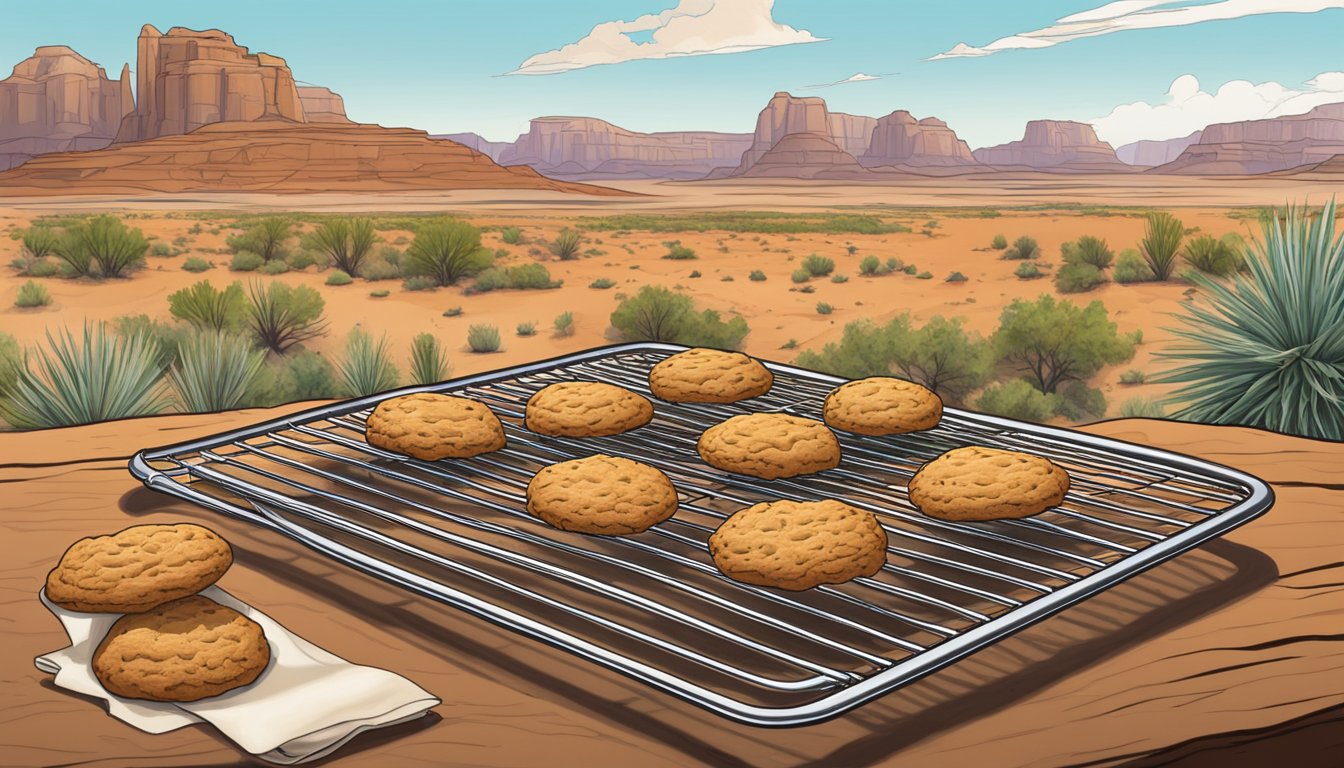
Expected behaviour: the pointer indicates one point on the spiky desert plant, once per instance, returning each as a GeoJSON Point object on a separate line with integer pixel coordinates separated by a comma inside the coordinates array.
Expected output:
{"type": "Point", "coordinates": [1161, 240]}
{"type": "Point", "coordinates": [214, 371]}
{"type": "Point", "coordinates": [483, 338]}
{"type": "Point", "coordinates": [367, 366]}
{"type": "Point", "coordinates": [281, 316]}
{"type": "Point", "coordinates": [208, 308]}
{"type": "Point", "coordinates": [447, 250]}
{"type": "Point", "coordinates": [429, 362]}
{"type": "Point", "coordinates": [103, 246]}
{"type": "Point", "coordinates": [96, 377]}
{"type": "Point", "coordinates": [32, 294]}
{"type": "Point", "coordinates": [1212, 256]}
{"type": "Point", "coordinates": [566, 245]}
{"type": "Point", "coordinates": [346, 242]}
{"type": "Point", "coordinates": [39, 242]}
{"type": "Point", "coordinates": [269, 236]}
{"type": "Point", "coordinates": [1092, 250]}
{"type": "Point", "coordinates": [1266, 349]}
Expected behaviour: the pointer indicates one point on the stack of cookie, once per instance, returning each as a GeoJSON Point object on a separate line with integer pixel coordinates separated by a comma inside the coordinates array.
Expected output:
{"type": "Point", "coordinates": [786, 544]}
{"type": "Point", "coordinates": [171, 644]}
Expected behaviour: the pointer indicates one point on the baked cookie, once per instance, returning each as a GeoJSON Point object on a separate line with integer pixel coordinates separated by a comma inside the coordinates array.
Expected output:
{"type": "Point", "coordinates": [138, 568]}
{"type": "Point", "coordinates": [601, 494]}
{"type": "Point", "coordinates": [881, 405]}
{"type": "Point", "coordinates": [770, 446]}
{"type": "Point", "coordinates": [586, 409]}
{"type": "Point", "coordinates": [432, 427]}
{"type": "Point", "coordinates": [978, 483]}
{"type": "Point", "coordinates": [709, 376]}
{"type": "Point", "coordinates": [186, 650]}
{"type": "Point", "coordinates": [798, 545]}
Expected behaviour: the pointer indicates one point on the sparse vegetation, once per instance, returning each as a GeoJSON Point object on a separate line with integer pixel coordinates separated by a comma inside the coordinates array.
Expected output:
{"type": "Point", "coordinates": [563, 324]}
{"type": "Point", "coordinates": [1053, 342]}
{"type": "Point", "coordinates": [345, 242]}
{"type": "Point", "coordinates": [214, 371]}
{"type": "Point", "coordinates": [658, 314]}
{"type": "Point", "coordinates": [265, 237]}
{"type": "Point", "coordinates": [1142, 408]}
{"type": "Point", "coordinates": [747, 222]}
{"type": "Point", "coordinates": [1133, 376]}
{"type": "Point", "coordinates": [567, 244]}
{"type": "Point", "coordinates": [1131, 268]}
{"type": "Point", "coordinates": [1212, 256]}
{"type": "Point", "coordinates": [1078, 277]}
{"type": "Point", "coordinates": [483, 338]}
{"type": "Point", "coordinates": [602, 283]}
{"type": "Point", "coordinates": [1018, 399]}
{"type": "Point", "coordinates": [246, 261]}
{"type": "Point", "coordinates": [447, 250]}
{"type": "Point", "coordinates": [678, 252]}
{"type": "Point", "coordinates": [956, 277]}
{"type": "Point", "coordinates": [276, 267]}
{"type": "Point", "coordinates": [101, 246]}
{"type": "Point", "coordinates": [338, 277]}
{"type": "Point", "coordinates": [818, 266]}
{"type": "Point", "coordinates": [1161, 241]}
{"type": "Point", "coordinates": [511, 235]}
{"type": "Point", "coordinates": [526, 329]}
{"type": "Point", "coordinates": [800, 276]}
{"type": "Point", "coordinates": [419, 283]}
{"type": "Point", "coordinates": [1028, 270]}
{"type": "Point", "coordinates": [32, 294]}
{"type": "Point", "coordinates": [839, 278]}
{"type": "Point", "coordinates": [429, 361]}
{"type": "Point", "coordinates": [196, 264]}
{"type": "Point", "coordinates": [1088, 250]}
{"type": "Point", "coordinates": [207, 308]}
{"type": "Point", "coordinates": [999, 243]}
{"type": "Point", "coordinates": [381, 293]}
{"type": "Point", "coordinates": [925, 275]}
{"type": "Point", "coordinates": [281, 316]}
{"type": "Point", "coordinates": [1024, 247]}
{"type": "Point", "coordinates": [39, 242]}
{"type": "Point", "coordinates": [367, 366]}
{"type": "Point", "coordinates": [452, 312]}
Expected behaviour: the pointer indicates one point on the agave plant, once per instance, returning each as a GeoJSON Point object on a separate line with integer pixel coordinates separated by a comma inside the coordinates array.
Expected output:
{"type": "Point", "coordinates": [367, 367]}
{"type": "Point", "coordinates": [97, 377]}
{"type": "Point", "coordinates": [214, 371]}
{"type": "Point", "coordinates": [1161, 240]}
{"type": "Point", "coordinates": [1267, 348]}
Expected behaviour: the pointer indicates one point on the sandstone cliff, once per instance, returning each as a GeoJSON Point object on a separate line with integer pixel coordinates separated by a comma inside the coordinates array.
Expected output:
{"type": "Point", "coordinates": [57, 101]}
{"type": "Point", "coordinates": [585, 147]}
{"type": "Point", "coordinates": [899, 139]}
{"type": "Point", "coordinates": [490, 149]}
{"type": "Point", "coordinates": [1264, 146]}
{"type": "Point", "coordinates": [1153, 152]}
{"type": "Point", "coordinates": [277, 156]}
{"type": "Point", "coordinates": [785, 114]}
{"type": "Point", "coordinates": [322, 105]}
{"type": "Point", "coordinates": [851, 133]}
{"type": "Point", "coordinates": [186, 79]}
{"type": "Point", "coordinates": [805, 156]}
{"type": "Point", "coordinates": [1054, 145]}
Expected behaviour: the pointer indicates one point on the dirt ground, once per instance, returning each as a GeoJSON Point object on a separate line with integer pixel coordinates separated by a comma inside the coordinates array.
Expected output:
{"type": "Point", "coordinates": [778, 313]}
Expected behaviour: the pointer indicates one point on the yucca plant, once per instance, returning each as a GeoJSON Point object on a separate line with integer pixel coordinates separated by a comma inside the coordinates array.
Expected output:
{"type": "Point", "coordinates": [429, 362]}
{"type": "Point", "coordinates": [102, 246]}
{"type": "Point", "coordinates": [214, 371]}
{"type": "Point", "coordinates": [1161, 240]}
{"type": "Point", "coordinates": [447, 250]}
{"type": "Point", "coordinates": [281, 316]}
{"type": "Point", "coordinates": [368, 366]}
{"type": "Point", "coordinates": [566, 245]}
{"type": "Point", "coordinates": [96, 377]}
{"type": "Point", "coordinates": [346, 242]}
{"type": "Point", "coordinates": [208, 308]}
{"type": "Point", "coordinates": [1266, 349]}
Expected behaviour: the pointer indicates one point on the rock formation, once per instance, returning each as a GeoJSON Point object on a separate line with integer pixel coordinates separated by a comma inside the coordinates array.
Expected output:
{"type": "Point", "coordinates": [899, 139]}
{"type": "Point", "coordinates": [852, 133]}
{"type": "Point", "coordinates": [186, 79]}
{"type": "Point", "coordinates": [490, 149]}
{"type": "Point", "coordinates": [1055, 145]}
{"type": "Point", "coordinates": [277, 156]}
{"type": "Point", "coordinates": [784, 114]}
{"type": "Point", "coordinates": [1264, 146]}
{"type": "Point", "coordinates": [805, 156]}
{"type": "Point", "coordinates": [56, 101]}
{"type": "Point", "coordinates": [585, 147]}
{"type": "Point", "coordinates": [1151, 152]}
{"type": "Point", "coordinates": [322, 105]}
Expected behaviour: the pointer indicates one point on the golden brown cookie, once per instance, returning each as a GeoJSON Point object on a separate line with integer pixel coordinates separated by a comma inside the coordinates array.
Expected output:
{"type": "Point", "coordinates": [138, 568]}
{"type": "Point", "coordinates": [770, 446]}
{"type": "Point", "coordinates": [186, 650]}
{"type": "Point", "coordinates": [709, 376]}
{"type": "Point", "coordinates": [881, 405]}
{"type": "Point", "coordinates": [798, 545]}
{"type": "Point", "coordinates": [977, 483]}
{"type": "Point", "coordinates": [586, 409]}
{"type": "Point", "coordinates": [432, 427]}
{"type": "Point", "coordinates": [601, 494]}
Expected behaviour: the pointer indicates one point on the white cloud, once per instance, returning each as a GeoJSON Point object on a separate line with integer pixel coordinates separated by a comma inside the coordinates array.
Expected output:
{"type": "Point", "coordinates": [693, 28]}
{"type": "Point", "coordinates": [1187, 108]}
{"type": "Point", "coordinates": [857, 77]}
{"type": "Point", "coordinates": [1127, 15]}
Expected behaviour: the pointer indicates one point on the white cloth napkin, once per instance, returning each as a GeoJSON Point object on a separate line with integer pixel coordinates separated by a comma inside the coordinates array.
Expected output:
{"type": "Point", "coordinates": [304, 706]}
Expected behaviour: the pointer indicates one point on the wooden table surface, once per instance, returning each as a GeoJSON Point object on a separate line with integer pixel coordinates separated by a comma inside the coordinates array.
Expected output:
{"type": "Point", "coordinates": [1229, 655]}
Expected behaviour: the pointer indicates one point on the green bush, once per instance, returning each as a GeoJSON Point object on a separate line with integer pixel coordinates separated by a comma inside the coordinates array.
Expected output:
{"type": "Point", "coordinates": [390, 254]}
{"type": "Point", "coordinates": [956, 277]}
{"type": "Point", "coordinates": [11, 357]}
{"type": "Point", "coordinates": [32, 294]}
{"type": "Point", "coordinates": [1213, 257]}
{"type": "Point", "coordinates": [1131, 268]}
{"type": "Point", "coordinates": [999, 242]}
{"type": "Point", "coordinates": [452, 312]}
{"type": "Point", "coordinates": [1077, 277]}
{"type": "Point", "coordinates": [483, 338]}
{"type": "Point", "coordinates": [492, 279]}
{"type": "Point", "coordinates": [1079, 402]}
{"type": "Point", "coordinates": [301, 376]}
{"type": "Point", "coordinates": [246, 261]}
{"type": "Point", "coordinates": [824, 309]}
{"type": "Point", "coordinates": [678, 252]}
{"type": "Point", "coordinates": [167, 337]}
{"type": "Point", "coordinates": [208, 308]}
{"type": "Point", "coordinates": [102, 246]}
{"type": "Point", "coordinates": [276, 267]}
{"type": "Point", "coordinates": [337, 277]}
{"type": "Point", "coordinates": [870, 266]}
{"type": "Point", "coordinates": [378, 269]}
{"type": "Point", "coordinates": [303, 260]}
{"type": "Point", "coordinates": [367, 367]}
{"type": "Point", "coordinates": [1161, 241]}
{"type": "Point", "coordinates": [694, 273]}
{"type": "Point", "coordinates": [726, 279]}
{"type": "Point", "coordinates": [40, 242]}
{"type": "Point", "coordinates": [381, 293]}
{"type": "Point", "coordinates": [266, 238]}
{"type": "Point", "coordinates": [196, 264]}
{"type": "Point", "coordinates": [1028, 270]}
{"type": "Point", "coordinates": [818, 266]}
{"type": "Point", "coordinates": [658, 314]}
{"type": "Point", "coordinates": [1133, 376]}
{"type": "Point", "coordinates": [531, 277]}
{"type": "Point", "coordinates": [1024, 247]}
{"type": "Point", "coordinates": [602, 283]}
{"type": "Point", "coordinates": [756, 276]}
{"type": "Point", "coordinates": [839, 279]}
{"type": "Point", "coordinates": [1266, 348]}
{"type": "Point", "coordinates": [910, 269]}
{"type": "Point", "coordinates": [1141, 408]}
{"type": "Point", "coordinates": [526, 329]}
{"type": "Point", "coordinates": [800, 276]}
{"type": "Point", "coordinates": [39, 268]}
{"type": "Point", "coordinates": [567, 245]}
{"type": "Point", "coordinates": [1018, 399]}
{"type": "Point", "coordinates": [511, 235]}
{"type": "Point", "coordinates": [1052, 342]}
{"type": "Point", "coordinates": [564, 324]}
{"type": "Point", "coordinates": [344, 242]}
{"type": "Point", "coordinates": [161, 250]}
{"type": "Point", "coordinates": [214, 371]}
{"type": "Point", "coordinates": [429, 361]}
{"type": "Point", "coordinates": [98, 377]}
{"type": "Point", "coordinates": [281, 316]}
{"type": "Point", "coordinates": [447, 250]}
{"type": "Point", "coordinates": [419, 283]}
{"type": "Point", "coordinates": [925, 275]}
{"type": "Point", "coordinates": [1088, 250]}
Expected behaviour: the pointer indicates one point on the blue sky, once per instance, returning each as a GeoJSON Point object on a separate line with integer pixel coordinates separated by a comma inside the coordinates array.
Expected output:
{"type": "Point", "coordinates": [441, 66]}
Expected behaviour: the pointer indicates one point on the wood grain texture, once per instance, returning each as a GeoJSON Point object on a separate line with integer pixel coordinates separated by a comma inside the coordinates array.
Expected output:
{"type": "Point", "coordinates": [1224, 656]}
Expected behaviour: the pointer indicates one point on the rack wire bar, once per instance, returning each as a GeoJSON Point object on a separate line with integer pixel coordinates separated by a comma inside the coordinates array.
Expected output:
{"type": "Point", "coordinates": [652, 606]}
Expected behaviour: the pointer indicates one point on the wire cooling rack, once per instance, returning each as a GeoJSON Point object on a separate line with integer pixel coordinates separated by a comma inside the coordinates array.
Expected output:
{"type": "Point", "coordinates": [652, 606]}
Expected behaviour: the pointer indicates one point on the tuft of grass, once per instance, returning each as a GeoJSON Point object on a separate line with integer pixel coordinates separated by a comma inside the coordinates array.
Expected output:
{"type": "Point", "coordinates": [678, 252]}
{"type": "Point", "coordinates": [790, 344]}
{"type": "Point", "coordinates": [1161, 241]}
{"type": "Point", "coordinates": [910, 269]}
{"type": "Point", "coordinates": [367, 366]}
{"type": "Point", "coordinates": [32, 294]}
{"type": "Point", "coordinates": [839, 278]}
{"type": "Point", "coordinates": [925, 275]}
{"type": "Point", "coordinates": [265, 237]}
{"type": "Point", "coordinates": [1078, 277]}
{"type": "Point", "coordinates": [1028, 270]}
{"type": "Point", "coordinates": [196, 264]}
{"type": "Point", "coordinates": [1142, 408]}
{"type": "Point", "coordinates": [207, 308]}
{"type": "Point", "coordinates": [800, 276]}
{"type": "Point", "coordinates": [337, 277]}
{"type": "Point", "coordinates": [281, 316]}
{"type": "Point", "coordinates": [452, 312]}
{"type": "Point", "coordinates": [564, 324]}
{"type": "Point", "coordinates": [419, 283]}
{"type": "Point", "coordinates": [824, 309]}
{"type": "Point", "coordinates": [602, 283]}
{"type": "Point", "coordinates": [381, 293]}
{"type": "Point", "coordinates": [1133, 376]}
{"type": "Point", "coordinates": [999, 243]}
{"type": "Point", "coordinates": [526, 329]}
{"type": "Point", "coordinates": [429, 361]}
{"type": "Point", "coordinates": [567, 244]}
{"type": "Point", "coordinates": [1024, 247]}
{"type": "Point", "coordinates": [246, 261]}
{"type": "Point", "coordinates": [97, 377]}
{"type": "Point", "coordinates": [162, 250]}
{"type": "Point", "coordinates": [483, 338]}
{"type": "Point", "coordinates": [818, 266]}
{"type": "Point", "coordinates": [511, 235]}
{"type": "Point", "coordinates": [345, 242]}
{"type": "Point", "coordinates": [1212, 256]}
{"type": "Point", "coordinates": [956, 277]}
{"type": "Point", "coordinates": [214, 371]}
{"type": "Point", "coordinates": [40, 242]}
{"type": "Point", "coordinates": [1131, 268]}
{"type": "Point", "coordinates": [1089, 250]}
{"type": "Point", "coordinates": [276, 267]}
{"type": "Point", "coordinates": [756, 276]}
